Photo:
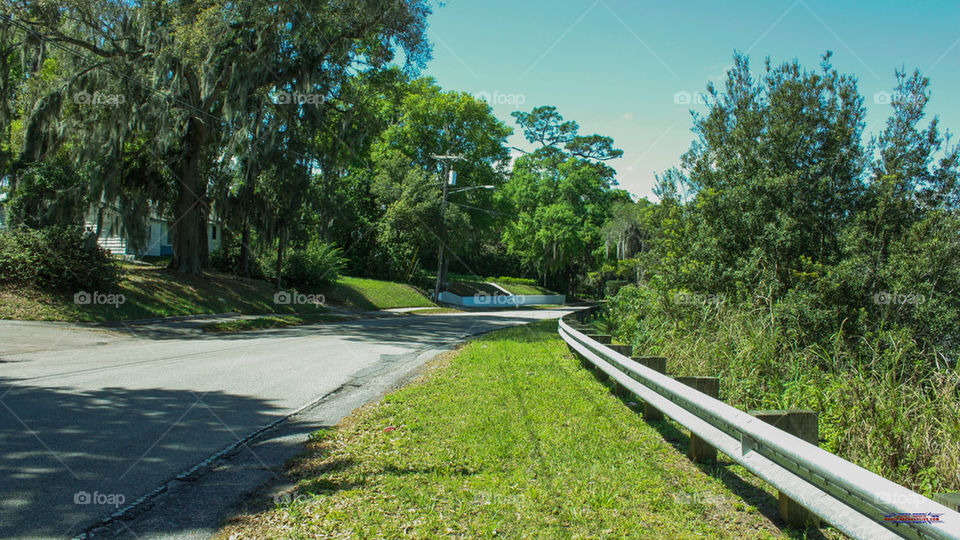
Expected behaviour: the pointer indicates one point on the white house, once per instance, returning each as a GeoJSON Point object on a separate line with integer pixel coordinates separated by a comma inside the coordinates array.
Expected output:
{"type": "Point", "coordinates": [114, 238]}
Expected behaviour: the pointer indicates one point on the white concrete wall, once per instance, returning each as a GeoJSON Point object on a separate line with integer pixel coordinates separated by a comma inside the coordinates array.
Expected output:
{"type": "Point", "coordinates": [489, 301]}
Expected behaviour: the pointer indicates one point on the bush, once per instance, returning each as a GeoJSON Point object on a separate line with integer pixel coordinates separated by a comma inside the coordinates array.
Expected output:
{"type": "Point", "coordinates": [47, 194]}
{"type": "Point", "coordinates": [317, 264]}
{"type": "Point", "coordinates": [612, 287]}
{"type": "Point", "coordinates": [56, 258]}
{"type": "Point", "coordinates": [227, 259]}
{"type": "Point", "coordinates": [875, 410]}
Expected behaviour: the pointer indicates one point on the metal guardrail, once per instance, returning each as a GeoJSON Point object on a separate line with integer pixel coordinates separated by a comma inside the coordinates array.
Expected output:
{"type": "Point", "coordinates": [848, 497]}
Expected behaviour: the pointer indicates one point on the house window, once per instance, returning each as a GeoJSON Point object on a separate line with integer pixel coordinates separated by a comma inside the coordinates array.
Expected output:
{"type": "Point", "coordinates": [213, 232]}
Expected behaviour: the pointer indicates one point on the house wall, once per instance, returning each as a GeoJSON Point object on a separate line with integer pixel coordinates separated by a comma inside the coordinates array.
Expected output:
{"type": "Point", "coordinates": [214, 236]}
{"type": "Point", "coordinates": [158, 235]}
{"type": "Point", "coordinates": [110, 237]}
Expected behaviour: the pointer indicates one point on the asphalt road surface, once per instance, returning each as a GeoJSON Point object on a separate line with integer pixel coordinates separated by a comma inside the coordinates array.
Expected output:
{"type": "Point", "coordinates": [93, 420]}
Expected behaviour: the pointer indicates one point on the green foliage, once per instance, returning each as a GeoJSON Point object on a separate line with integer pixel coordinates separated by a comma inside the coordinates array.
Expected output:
{"type": "Point", "coordinates": [897, 422]}
{"type": "Point", "coordinates": [786, 260]}
{"type": "Point", "coordinates": [561, 198]}
{"type": "Point", "coordinates": [612, 287]}
{"type": "Point", "coordinates": [200, 85]}
{"type": "Point", "coordinates": [315, 265]}
{"type": "Point", "coordinates": [56, 258]}
{"type": "Point", "coordinates": [431, 123]}
{"type": "Point", "coordinates": [227, 259]}
{"type": "Point", "coordinates": [47, 194]}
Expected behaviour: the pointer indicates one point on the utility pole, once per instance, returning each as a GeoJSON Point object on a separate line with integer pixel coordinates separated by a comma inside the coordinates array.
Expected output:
{"type": "Point", "coordinates": [441, 274]}
{"type": "Point", "coordinates": [447, 175]}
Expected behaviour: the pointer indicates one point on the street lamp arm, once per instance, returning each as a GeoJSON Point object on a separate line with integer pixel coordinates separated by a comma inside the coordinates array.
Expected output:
{"type": "Point", "coordinates": [458, 190]}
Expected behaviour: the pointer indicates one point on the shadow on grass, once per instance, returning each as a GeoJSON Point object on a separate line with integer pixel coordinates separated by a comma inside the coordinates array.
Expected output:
{"type": "Point", "coordinates": [342, 294]}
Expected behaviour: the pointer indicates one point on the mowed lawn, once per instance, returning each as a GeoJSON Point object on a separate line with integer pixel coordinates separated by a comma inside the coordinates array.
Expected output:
{"type": "Point", "coordinates": [151, 291]}
{"type": "Point", "coordinates": [508, 436]}
{"type": "Point", "coordinates": [373, 294]}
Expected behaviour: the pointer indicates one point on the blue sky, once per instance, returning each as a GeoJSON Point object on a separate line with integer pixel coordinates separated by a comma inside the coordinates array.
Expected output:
{"type": "Point", "coordinates": [617, 66]}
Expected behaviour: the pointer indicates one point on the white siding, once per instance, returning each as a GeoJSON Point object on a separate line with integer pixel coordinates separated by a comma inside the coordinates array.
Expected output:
{"type": "Point", "coordinates": [215, 233]}
{"type": "Point", "coordinates": [154, 238]}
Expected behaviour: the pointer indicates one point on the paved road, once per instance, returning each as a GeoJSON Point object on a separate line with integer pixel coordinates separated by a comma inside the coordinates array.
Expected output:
{"type": "Point", "coordinates": [93, 419]}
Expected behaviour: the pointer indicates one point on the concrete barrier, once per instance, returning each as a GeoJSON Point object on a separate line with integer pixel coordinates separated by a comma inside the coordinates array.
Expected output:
{"type": "Point", "coordinates": [501, 301]}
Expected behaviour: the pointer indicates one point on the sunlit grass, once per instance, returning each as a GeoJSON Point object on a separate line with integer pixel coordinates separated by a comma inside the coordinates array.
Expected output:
{"type": "Point", "coordinates": [151, 292]}
{"type": "Point", "coordinates": [372, 294]}
{"type": "Point", "coordinates": [509, 437]}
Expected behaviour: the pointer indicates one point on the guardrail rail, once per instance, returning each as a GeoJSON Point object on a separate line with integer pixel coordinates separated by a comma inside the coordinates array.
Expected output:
{"type": "Point", "coordinates": [852, 499]}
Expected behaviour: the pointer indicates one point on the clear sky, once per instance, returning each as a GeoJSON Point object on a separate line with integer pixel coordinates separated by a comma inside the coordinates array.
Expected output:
{"type": "Point", "coordinates": [617, 66]}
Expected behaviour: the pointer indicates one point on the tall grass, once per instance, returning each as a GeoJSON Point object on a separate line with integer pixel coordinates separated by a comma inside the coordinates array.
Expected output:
{"type": "Point", "coordinates": [903, 424]}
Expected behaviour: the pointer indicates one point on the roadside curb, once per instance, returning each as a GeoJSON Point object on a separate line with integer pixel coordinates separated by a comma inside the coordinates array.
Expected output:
{"type": "Point", "coordinates": [160, 320]}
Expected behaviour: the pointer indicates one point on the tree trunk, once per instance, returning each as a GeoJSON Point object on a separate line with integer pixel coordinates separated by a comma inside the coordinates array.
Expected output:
{"type": "Point", "coordinates": [245, 250]}
{"type": "Point", "coordinates": [279, 268]}
{"type": "Point", "coordinates": [186, 240]}
{"type": "Point", "coordinates": [204, 226]}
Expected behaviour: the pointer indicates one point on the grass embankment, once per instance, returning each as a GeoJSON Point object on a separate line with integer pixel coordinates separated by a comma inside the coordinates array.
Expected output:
{"type": "Point", "coordinates": [523, 288]}
{"type": "Point", "coordinates": [372, 294]}
{"type": "Point", "coordinates": [906, 430]}
{"type": "Point", "coordinates": [466, 288]}
{"type": "Point", "coordinates": [511, 437]}
{"type": "Point", "coordinates": [151, 292]}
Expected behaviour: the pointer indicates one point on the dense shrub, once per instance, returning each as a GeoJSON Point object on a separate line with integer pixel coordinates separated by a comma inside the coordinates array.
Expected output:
{"type": "Point", "coordinates": [880, 407]}
{"type": "Point", "coordinates": [612, 287]}
{"type": "Point", "coordinates": [56, 258]}
{"type": "Point", "coordinates": [227, 259]}
{"type": "Point", "coordinates": [315, 265]}
{"type": "Point", "coordinates": [47, 194]}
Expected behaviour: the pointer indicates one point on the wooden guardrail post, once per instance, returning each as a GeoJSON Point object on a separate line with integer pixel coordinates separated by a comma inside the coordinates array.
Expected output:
{"type": "Point", "coordinates": [658, 364]}
{"type": "Point", "coordinates": [804, 425]}
{"type": "Point", "coordinates": [604, 339]}
{"type": "Point", "coordinates": [625, 350]}
{"type": "Point", "coordinates": [700, 451]}
{"type": "Point", "coordinates": [950, 500]}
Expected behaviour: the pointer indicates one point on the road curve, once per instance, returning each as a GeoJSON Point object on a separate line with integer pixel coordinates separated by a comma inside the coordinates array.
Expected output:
{"type": "Point", "coordinates": [93, 419]}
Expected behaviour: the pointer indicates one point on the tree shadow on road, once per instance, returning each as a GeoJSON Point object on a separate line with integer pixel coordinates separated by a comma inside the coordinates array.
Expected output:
{"type": "Point", "coordinates": [69, 458]}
